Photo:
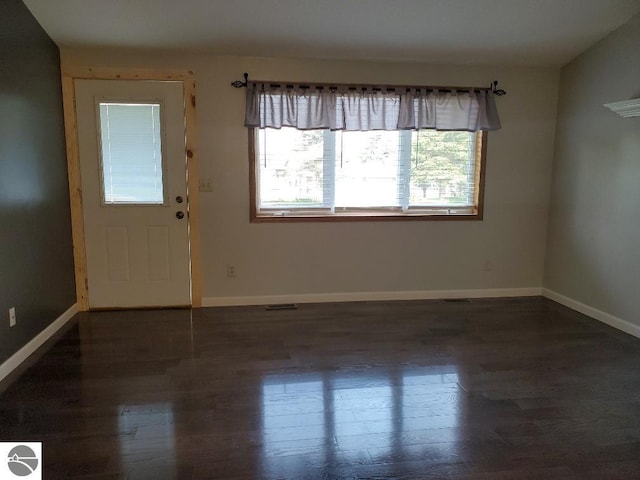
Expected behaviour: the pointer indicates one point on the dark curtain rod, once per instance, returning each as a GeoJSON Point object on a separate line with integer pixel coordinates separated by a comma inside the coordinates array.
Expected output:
{"type": "Point", "coordinates": [493, 88]}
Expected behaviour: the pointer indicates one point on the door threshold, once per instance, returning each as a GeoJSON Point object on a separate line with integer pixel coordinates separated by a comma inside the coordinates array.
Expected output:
{"type": "Point", "coordinates": [156, 307]}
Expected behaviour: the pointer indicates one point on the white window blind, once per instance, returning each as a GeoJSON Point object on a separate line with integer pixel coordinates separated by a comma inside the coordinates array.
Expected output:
{"type": "Point", "coordinates": [363, 172]}
{"type": "Point", "coordinates": [131, 153]}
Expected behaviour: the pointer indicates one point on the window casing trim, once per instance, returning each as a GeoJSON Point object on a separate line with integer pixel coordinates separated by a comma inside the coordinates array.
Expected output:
{"type": "Point", "coordinates": [280, 215]}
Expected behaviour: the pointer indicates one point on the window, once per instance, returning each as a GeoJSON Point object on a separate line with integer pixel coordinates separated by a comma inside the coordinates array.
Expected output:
{"type": "Point", "coordinates": [343, 152]}
{"type": "Point", "coordinates": [320, 173]}
{"type": "Point", "coordinates": [131, 153]}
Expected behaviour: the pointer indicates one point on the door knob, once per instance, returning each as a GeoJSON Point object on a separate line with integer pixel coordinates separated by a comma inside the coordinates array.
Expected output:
{"type": "Point", "coordinates": [179, 215]}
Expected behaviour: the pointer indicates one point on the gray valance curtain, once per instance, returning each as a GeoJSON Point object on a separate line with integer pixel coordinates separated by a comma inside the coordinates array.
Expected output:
{"type": "Point", "coordinates": [343, 108]}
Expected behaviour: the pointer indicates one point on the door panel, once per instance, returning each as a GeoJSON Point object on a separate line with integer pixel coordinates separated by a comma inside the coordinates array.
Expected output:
{"type": "Point", "coordinates": [117, 253]}
{"type": "Point", "coordinates": [131, 138]}
{"type": "Point", "coordinates": [159, 252]}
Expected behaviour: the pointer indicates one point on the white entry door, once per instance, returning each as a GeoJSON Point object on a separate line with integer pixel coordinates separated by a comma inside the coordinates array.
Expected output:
{"type": "Point", "coordinates": [131, 139]}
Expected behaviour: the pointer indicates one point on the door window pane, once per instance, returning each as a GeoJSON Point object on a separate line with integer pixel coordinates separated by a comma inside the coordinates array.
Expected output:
{"type": "Point", "coordinates": [131, 153]}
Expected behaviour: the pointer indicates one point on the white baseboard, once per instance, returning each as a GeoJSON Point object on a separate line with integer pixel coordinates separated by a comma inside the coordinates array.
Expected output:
{"type": "Point", "coordinates": [36, 342]}
{"type": "Point", "coordinates": [604, 317]}
{"type": "Point", "coordinates": [369, 296]}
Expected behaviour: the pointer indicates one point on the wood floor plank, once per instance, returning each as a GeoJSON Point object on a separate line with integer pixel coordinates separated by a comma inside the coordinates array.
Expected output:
{"type": "Point", "coordinates": [517, 388]}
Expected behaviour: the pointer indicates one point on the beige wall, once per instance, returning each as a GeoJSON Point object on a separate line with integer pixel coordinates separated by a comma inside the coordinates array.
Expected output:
{"type": "Point", "coordinates": [594, 230]}
{"type": "Point", "coordinates": [320, 258]}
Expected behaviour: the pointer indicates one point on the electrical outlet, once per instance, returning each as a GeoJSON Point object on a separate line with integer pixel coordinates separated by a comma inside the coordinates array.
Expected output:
{"type": "Point", "coordinates": [12, 317]}
{"type": "Point", "coordinates": [231, 271]}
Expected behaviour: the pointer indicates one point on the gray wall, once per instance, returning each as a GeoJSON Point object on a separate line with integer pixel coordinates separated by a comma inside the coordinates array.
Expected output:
{"type": "Point", "coordinates": [36, 261]}
{"type": "Point", "coordinates": [593, 247]}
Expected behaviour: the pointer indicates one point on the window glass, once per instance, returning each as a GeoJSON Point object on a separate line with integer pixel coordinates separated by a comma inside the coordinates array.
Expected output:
{"type": "Point", "coordinates": [131, 153]}
{"type": "Point", "coordinates": [320, 172]}
{"type": "Point", "coordinates": [368, 172]}
{"type": "Point", "coordinates": [442, 168]}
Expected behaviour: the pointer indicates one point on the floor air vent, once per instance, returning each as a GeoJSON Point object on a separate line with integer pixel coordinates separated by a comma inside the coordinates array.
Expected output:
{"type": "Point", "coordinates": [283, 306]}
{"type": "Point", "coordinates": [456, 300]}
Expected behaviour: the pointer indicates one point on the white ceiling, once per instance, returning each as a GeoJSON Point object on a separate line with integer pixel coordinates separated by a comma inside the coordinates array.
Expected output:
{"type": "Point", "coordinates": [512, 32]}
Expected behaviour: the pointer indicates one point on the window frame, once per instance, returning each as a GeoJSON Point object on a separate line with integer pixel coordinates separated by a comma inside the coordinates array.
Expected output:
{"type": "Point", "coordinates": [368, 215]}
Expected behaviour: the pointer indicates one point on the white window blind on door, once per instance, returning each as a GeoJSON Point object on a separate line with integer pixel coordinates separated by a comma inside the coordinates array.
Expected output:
{"type": "Point", "coordinates": [131, 153]}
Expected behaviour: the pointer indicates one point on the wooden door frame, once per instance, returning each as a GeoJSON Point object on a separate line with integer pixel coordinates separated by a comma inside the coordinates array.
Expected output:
{"type": "Point", "coordinates": [69, 75]}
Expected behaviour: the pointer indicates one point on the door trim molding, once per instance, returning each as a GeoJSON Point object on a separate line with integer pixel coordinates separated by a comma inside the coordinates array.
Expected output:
{"type": "Point", "coordinates": [187, 77]}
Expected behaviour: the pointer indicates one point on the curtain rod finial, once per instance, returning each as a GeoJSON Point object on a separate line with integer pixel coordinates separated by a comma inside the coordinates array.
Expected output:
{"type": "Point", "coordinates": [239, 84]}
{"type": "Point", "coordinates": [497, 91]}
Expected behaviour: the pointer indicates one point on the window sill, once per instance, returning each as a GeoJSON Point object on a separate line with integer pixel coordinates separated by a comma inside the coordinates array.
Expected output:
{"type": "Point", "coordinates": [367, 216]}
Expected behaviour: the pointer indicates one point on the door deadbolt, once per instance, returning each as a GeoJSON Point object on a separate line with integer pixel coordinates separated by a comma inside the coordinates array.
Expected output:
{"type": "Point", "coordinates": [179, 199]}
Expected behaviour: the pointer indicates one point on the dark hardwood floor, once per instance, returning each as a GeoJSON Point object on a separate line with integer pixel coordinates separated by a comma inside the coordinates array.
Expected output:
{"type": "Point", "coordinates": [489, 389]}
